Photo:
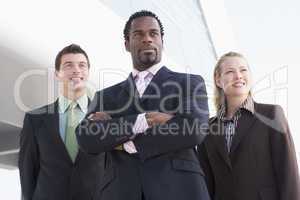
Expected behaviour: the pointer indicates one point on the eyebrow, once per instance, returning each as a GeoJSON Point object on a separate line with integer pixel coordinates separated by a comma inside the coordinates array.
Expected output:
{"type": "Point", "coordinates": [242, 66]}
{"type": "Point", "coordinates": [139, 30]}
{"type": "Point", "coordinates": [230, 68]}
{"type": "Point", "coordinates": [82, 62]}
{"type": "Point", "coordinates": [70, 62]}
{"type": "Point", "coordinates": [154, 30]}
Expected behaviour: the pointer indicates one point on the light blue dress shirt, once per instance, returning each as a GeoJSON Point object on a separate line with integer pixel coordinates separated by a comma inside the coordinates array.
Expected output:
{"type": "Point", "coordinates": [63, 104]}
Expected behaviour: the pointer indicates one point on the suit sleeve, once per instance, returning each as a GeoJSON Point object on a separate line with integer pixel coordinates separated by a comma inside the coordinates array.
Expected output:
{"type": "Point", "coordinates": [205, 164]}
{"type": "Point", "coordinates": [284, 158]}
{"type": "Point", "coordinates": [185, 130]}
{"type": "Point", "coordinates": [95, 137]}
{"type": "Point", "coordinates": [28, 159]}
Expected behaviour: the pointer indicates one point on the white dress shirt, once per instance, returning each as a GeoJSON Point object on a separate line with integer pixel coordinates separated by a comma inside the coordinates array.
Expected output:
{"type": "Point", "coordinates": [142, 80]}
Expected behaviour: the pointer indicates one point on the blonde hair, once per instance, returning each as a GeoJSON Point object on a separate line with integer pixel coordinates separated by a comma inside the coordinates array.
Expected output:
{"type": "Point", "coordinates": [219, 96]}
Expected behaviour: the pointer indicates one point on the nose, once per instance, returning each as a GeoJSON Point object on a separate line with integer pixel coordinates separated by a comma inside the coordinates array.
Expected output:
{"type": "Point", "coordinates": [238, 75]}
{"type": "Point", "coordinates": [147, 38]}
{"type": "Point", "coordinates": [76, 69]}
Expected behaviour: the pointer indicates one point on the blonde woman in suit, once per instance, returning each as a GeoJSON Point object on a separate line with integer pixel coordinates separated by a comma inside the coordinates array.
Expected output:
{"type": "Point", "coordinates": [248, 153]}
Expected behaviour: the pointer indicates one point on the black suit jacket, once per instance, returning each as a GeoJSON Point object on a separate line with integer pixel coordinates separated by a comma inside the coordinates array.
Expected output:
{"type": "Point", "coordinates": [46, 169]}
{"type": "Point", "coordinates": [166, 165]}
{"type": "Point", "coordinates": [262, 163]}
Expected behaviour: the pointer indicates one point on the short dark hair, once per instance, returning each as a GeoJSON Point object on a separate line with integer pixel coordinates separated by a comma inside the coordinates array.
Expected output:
{"type": "Point", "coordinates": [72, 48]}
{"type": "Point", "coordinates": [142, 13]}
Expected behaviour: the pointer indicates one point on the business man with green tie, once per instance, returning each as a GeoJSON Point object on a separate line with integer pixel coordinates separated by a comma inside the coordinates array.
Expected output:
{"type": "Point", "coordinates": [50, 162]}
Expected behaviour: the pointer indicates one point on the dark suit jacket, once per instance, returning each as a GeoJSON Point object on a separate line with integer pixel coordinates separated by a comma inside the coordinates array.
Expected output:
{"type": "Point", "coordinates": [166, 165]}
{"type": "Point", "coordinates": [46, 170]}
{"type": "Point", "coordinates": [262, 163]}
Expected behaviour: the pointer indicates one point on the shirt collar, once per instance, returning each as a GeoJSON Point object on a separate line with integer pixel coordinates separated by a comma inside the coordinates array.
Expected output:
{"type": "Point", "coordinates": [64, 103]}
{"type": "Point", "coordinates": [247, 105]}
{"type": "Point", "coordinates": [153, 69]}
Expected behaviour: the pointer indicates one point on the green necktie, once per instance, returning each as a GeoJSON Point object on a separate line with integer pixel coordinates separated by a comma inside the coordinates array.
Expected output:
{"type": "Point", "coordinates": [72, 122]}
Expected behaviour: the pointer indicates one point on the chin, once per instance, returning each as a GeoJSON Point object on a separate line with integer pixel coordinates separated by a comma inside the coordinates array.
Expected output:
{"type": "Point", "coordinates": [149, 61]}
{"type": "Point", "coordinates": [240, 94]}
{"type": "Point", "coordinates": [79, 87]}
{"type": "Point", "coordinates": [237, 93]}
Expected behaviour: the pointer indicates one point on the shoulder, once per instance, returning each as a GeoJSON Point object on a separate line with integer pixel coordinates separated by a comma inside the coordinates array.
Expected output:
{"type": "Point", "coordinates": [269, 110]}
{"type": "Point", "coordinates": [213, 119]}
{"type": "Point", "coordinates": [213, 122]}
{"type": "Point", "coordinates": [183, 76]}
{"type": "Point", "coordinates": [192, 81]}
{"type": "Point", "coordinates": [46, 109]}
{"type": "Point", "coordinates": [273, 116]}
{"type": "Point", "coordinates": [213, 129]}
{"type": "Point", "coordinates": [34, 116]}
{"type": "Point", "coordinates": [111, 90]}
{"type": "Point", "coordinates": [186, 76]}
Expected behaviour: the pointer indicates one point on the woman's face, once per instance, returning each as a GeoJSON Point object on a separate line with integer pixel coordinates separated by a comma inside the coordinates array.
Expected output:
{"type": "Point", "coordinates": [234, 77]}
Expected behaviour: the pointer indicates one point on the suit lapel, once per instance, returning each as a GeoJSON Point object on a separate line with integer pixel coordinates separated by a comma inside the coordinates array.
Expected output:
{"type": "Point", "coordinates": [129, 94]}
{"type": "Point", "coordinates": [156, 85]}
{"type": "Point", "coordinates": [129, 86]}
{"type": "Point", "coordinates": [51, 121]}
{"type": "Point", "coordinates": [154, 88]}
{"type": "Point", "coordinates": [244, 124]}
{"type": "Point", "coordinates": [218, 136]}
{"type": "Point", "coordinates": [80, 153]}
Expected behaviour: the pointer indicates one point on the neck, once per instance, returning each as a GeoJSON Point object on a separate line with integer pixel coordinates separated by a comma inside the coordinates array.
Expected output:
{"type": "Point", "coordinates": [73, 95]}
{"type": "Point", "coordinates": [142, 67]}
{"type": "Point", "coordinates": [233, 104]}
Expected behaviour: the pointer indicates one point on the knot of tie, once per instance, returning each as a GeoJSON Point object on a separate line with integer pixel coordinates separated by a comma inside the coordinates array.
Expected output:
{"type": "Point", "coordinates": [142, 75]}
{"type": "Point", "coordinates": [72, 118]}
{"type": "Point", "coordinates": [142, 81]}
{"type": "Point", "coordinates": [73, 105]}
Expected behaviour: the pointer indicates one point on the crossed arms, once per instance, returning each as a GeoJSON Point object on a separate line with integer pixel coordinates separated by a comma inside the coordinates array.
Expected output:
{"type": "Point", "coordinates": [100, 132]}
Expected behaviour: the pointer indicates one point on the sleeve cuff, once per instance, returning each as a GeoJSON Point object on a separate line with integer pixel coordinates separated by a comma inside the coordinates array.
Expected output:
{"type": "Point", "coordinates": [140, 124]}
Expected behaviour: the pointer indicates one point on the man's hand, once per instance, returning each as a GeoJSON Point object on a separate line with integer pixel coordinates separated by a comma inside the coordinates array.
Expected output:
{"type": "Point", "coordinates": [97, 116]}
{"type": "Point", "coordinates": [156, 118]}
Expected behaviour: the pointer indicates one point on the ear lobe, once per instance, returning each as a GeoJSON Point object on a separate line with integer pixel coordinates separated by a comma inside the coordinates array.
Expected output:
{"type": "Point", "coordinates": [56, 75]}
{"type": "Point", "coordinates": [218, 83]}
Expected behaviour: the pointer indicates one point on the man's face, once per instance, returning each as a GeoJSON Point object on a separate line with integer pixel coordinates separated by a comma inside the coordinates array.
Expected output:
{"type": "Point", "coordinates": [73, 72]}
{"type": "Point", "coordinates": [145, 43]}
